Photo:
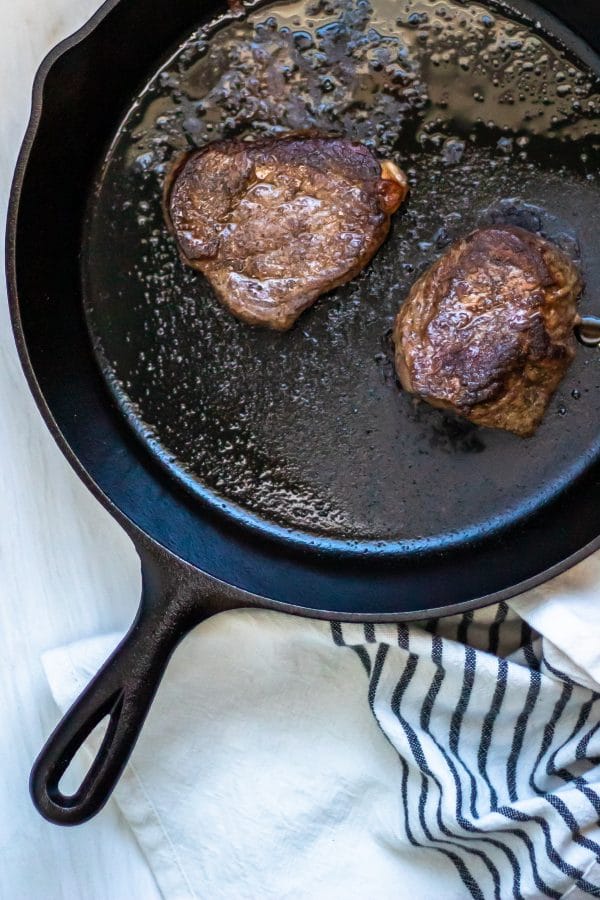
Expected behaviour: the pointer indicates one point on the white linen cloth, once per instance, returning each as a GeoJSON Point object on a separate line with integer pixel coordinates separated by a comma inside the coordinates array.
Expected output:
{"type": "Point", "coordinates": [287, 758]}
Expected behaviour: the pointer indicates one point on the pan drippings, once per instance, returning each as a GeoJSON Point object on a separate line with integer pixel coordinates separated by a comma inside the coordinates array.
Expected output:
{"type": "Point", "coordinates": [493, 121]}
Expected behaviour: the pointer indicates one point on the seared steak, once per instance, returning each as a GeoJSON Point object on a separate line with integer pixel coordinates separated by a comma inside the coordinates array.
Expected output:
{"type": "Point", "coordinates": [487, 331]}
{"type": "Point", "coordinates": [275, 223]}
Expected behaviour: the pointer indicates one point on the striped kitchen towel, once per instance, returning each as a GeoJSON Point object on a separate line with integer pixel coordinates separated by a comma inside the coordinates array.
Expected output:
{"type": "Point", "coordinates": [453, 758]}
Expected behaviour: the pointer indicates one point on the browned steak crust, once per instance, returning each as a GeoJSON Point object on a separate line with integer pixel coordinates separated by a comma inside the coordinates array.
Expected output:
{"type": "Point", "coordinates": [275, 223]}
{"type": "Point", "coordinates": [488, 330]}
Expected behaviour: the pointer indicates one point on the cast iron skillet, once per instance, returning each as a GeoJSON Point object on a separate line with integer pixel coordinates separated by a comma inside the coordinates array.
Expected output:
{"type": "Point", "coordinates": [200, 557]}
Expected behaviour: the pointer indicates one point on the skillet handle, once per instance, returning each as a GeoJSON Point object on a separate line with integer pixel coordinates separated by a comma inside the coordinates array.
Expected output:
{"type": "Point", "coordinates": [123, 689]}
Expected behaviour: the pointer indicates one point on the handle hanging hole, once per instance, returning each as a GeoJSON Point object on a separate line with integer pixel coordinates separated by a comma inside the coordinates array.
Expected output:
{"type": "Point", "coordinates": [80, 765]}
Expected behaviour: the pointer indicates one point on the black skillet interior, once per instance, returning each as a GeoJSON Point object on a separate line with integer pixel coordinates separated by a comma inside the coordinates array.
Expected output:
{"type": "Point", "coordinates": [291, 466]}
{"type": "Point", "coordinates": [304, 438]}
{"type": "Point", "coordinates": [307, 432]}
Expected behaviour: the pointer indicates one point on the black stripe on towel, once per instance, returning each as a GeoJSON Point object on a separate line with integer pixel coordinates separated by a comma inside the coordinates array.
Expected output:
{"type": "Point", "coordinates": [579, 783]}
{"type": "Point", "coordinates": [482, 755]}
{"type": "Point", "coordinates": [516, 815]}
{"type": "Point", "coordinates": [499, 619]}
{"type": "Point", "coordinates": [551, 852]}
{"type": "Point", "coordinates": [561, 864]}
{"type": "Point", "coordinates": [549, 730]}
{"type": "Point", "coordinates": [369, 633]}
{"type": "Point", "coordinates": [584, 714]}
{"type": "Point", "coordinates": [427, 772]}
{"type": "Point", "coordinates": [488, 728]}
{"type": "Point", "coordinates": [459, 843]}
{"type": "Point", "coordinates": [535, 683]}
{"type": "Point", "coordinates": [507, 811]}
{"type": "Point", "coordinates": [431, 626]}
{"type": "Point", "coordinates": [425, 718]}
{"type": "Point", "coordinates": [527, 646]}
{"type": "Point", "coordinates": [463, 871]}
{"type": "Point", "coordinates": [581, 750]}
{"type": "Point", "coordinates": [337, 634]}
{"type": "Point", "coordinates": [462, 631]}
{"type": "Point", "coordinates": [338, 639]}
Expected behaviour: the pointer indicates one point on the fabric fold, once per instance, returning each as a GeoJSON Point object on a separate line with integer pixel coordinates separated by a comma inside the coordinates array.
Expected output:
{"type": "Point", "coordinates": [288, 758]}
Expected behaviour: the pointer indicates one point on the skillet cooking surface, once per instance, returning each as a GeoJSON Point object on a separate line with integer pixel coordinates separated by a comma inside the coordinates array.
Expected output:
{"type": "Point", "coordinates": [308, 430]}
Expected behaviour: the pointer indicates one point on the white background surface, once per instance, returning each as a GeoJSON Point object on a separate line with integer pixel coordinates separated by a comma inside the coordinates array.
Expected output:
{"type": "Point", "coordinates": [66, 569]}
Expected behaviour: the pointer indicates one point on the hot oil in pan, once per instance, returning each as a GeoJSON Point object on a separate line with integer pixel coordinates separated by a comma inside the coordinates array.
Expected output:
{"type": "Point", "coordinates": [308, 430]}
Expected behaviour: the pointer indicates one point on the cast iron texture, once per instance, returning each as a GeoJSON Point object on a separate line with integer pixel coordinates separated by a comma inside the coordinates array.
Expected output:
{"type": "Point", "coordinates": [195, 560]}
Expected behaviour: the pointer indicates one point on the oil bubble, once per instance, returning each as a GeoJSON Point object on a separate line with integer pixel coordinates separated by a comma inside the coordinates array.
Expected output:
{"type": "Point", "coordinates": [453, 151]}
